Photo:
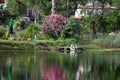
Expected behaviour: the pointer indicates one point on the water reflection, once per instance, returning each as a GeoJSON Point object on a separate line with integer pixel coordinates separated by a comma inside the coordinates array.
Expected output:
{"type": "Point", "coordinates": [79, 72]}
{"type": "Point", "coordinates": [52, 71]}
{"type": "Point", "coordinates": [9, 73]}
{"type": "Point", "coordinates": [56, 66]}
{"type": "Point", "coordinates": [6, 71]}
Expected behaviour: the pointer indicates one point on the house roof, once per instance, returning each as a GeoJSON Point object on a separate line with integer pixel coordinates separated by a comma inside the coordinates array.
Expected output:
{"type": "Point", "coordinates": [97, 5]}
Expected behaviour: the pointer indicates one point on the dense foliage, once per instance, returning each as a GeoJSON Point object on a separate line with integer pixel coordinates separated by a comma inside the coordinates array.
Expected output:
{"type": "Point", "coordinates": [72, 29]}
{"type": "Point", "coordinates": [19, 24]}
{"type": "Point", "coordinates": [53, 25]}
{"type": "Point", "coordinates": [16, 7]}
{"type": "Point", "coordinates": [3, 33]}
{"type": "Point", "coordinates": [31, 30]}
{"type": "Point", "coordinates": [109, 41]}
{"type": "Point", "coordinates": [44, 6]}
{"type": "Point", "coordinates": [4, 15]}
{"type": "Point", "coordinates": [112, 21]}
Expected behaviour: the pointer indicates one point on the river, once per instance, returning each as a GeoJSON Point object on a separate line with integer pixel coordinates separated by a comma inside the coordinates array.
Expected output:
{"type": "Point", "coordinates": [24, 65]}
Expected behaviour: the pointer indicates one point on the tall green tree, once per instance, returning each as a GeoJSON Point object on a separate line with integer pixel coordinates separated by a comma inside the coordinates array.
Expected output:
{"type": "Point", "coordinates": [117, 3]}
{"type": "Point", "coordinates": [16, 7]}
{"type": "Point", "coordinates": [72, 29]}
{"type": "Point", "coordinates": [40, 7]}
{"type": "Point", "coordinates": [4, 15]}
{"type": "Point", "coordinates": [33, 5]}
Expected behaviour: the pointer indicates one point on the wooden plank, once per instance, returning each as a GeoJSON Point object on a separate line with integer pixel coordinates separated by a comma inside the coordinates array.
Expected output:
{"type": "Point", "coordinates": [67, 48]}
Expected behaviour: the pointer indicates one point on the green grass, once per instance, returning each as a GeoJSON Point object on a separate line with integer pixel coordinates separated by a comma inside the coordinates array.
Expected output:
{"type": "Point", "coordinates": [92, 46]}
{"type": "Point", "coordinates": [33, 44]}
{"type": "Point", "coordinates": [109, 41]}
{"type": "Point", "coordinates": [46, 45]}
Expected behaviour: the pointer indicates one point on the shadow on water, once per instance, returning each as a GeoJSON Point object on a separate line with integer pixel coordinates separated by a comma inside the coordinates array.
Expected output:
{"type": "Point", "coordinates": [59, 66]}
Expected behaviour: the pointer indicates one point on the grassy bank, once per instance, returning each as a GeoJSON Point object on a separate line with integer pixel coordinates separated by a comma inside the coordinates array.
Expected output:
{"type": "Point", "coordinates": [20, 45]}
{"type": "Point", "coordinates": [46, 45]}
{"type": "Point", "coordinates": [33, 44]}
{"type": "Point", "coordinates": [108, 41]}
{"type": "Point", "coordinates": [94, 48]}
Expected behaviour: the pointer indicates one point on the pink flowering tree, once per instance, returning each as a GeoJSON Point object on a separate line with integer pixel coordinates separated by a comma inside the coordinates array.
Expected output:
{"type": "Point", "coordinates": [53, 25]}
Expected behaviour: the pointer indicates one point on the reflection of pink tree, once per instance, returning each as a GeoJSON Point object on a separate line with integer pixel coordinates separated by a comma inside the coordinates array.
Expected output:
{"type": "Point", "coordinates": [52, 72]}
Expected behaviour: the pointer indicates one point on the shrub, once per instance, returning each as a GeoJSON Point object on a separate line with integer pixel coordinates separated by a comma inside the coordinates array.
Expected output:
{"type": "Point", "coordinates": [4, 33]}
{"type": "Point", "coordinates": [19, 24]}
{"type": "Point", "coordinates": [72, 29]}
{"type": "Point", "coordinates": [30, 31]}
{"type": "Point", "coordinates": [53, 25]}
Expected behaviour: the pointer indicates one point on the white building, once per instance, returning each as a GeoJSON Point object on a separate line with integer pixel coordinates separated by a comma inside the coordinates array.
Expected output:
{"type": "Point", "coordinates": [91, 7]}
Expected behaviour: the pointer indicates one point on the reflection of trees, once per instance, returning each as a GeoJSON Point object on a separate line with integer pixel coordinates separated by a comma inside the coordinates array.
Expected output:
{"type": "Point", "coordinates": [103, 67]}
{"type": "Point", "coordinates": [63, 67]}
{"type": "Point", "coordinates": [23, 67]}
{"type": "Point", "coordinates": [66, 66]}
{"type": "Point", "coordinates": [52, 71]}
{"type": "Point", "coordinates": [6, 69]}
{"type": "Point", "coordinates": [26, 67]}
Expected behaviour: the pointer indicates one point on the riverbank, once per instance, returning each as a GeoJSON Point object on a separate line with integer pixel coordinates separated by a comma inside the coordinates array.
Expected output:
{"type": "Point", "coordinates": [22, 45]}
{"type": "Point", "coordinates": [94, 48]}
{"type": "Point", "coordinates": [32, 44]}
{"type": "Point", "coordinates": [48, 45]}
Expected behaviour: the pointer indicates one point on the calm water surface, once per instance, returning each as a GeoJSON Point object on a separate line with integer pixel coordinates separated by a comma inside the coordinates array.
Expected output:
{"type": "Point", "coordinates": [18, 65]}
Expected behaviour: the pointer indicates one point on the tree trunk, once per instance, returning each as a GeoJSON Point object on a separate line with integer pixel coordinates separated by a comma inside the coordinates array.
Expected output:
{"type": "Point", "coordinates": [93, 24]}
{"type": "Point", "coordinates": [36, 14]}
{"type": "Point", "coordinates": [53, 7]}
{"type": "Point", "coordinates": [67, 8]}
{"type": "Point", "coordinates": [94, 32]}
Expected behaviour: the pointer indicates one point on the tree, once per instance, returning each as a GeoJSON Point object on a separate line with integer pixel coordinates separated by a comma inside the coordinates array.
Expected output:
{"type": "Point", "coordinates": [16, 7]}
{"type": "Point", "coordinates": [112, 21]}
{"type": "Point", "coordinates": [117, 3]}
{"type": "Point", "coordinates": [41, 8]}
{"type": "Point", "coordinates": [4, 15]}
{"type": "Point", "coordinates": [72, 29]}
{"type": "Point", "coordinates": [33, 5]}
{"type": "Point", "coordinates": [53, 25]}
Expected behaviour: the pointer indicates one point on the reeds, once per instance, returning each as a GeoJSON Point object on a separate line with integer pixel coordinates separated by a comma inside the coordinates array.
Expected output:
{"type": "Point", "coordinates": [108, 41]}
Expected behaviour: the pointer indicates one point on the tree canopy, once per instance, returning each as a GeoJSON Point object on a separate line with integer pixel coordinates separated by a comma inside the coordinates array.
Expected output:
{"type": "Point", "coordinates": [16, 7]}
{"type": "Point", "coordinates": [63, 7]}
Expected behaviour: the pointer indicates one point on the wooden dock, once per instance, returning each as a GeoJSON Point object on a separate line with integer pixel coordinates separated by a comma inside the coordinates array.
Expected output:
{"type": "Point", "coordinates": [70, 48]}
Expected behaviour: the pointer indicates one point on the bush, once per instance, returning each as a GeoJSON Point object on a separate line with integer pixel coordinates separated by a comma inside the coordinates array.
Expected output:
{"type": "Point", "coordinates": [53, 26]}
{"type": "Point", "coordinates": [30, 31]}
{"type": "Point", "coordinates": [19, 24]}
{"type": "Point", "coordinates": [72, 29]}
{"type": "Point", "coordinates": [4, 33]}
